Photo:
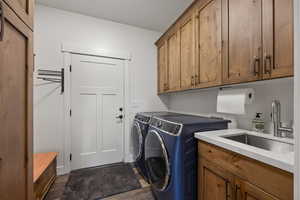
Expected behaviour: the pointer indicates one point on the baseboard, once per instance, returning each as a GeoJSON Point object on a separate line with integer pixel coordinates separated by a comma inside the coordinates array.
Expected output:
{"type": "Point", "coordinates": [128, 158]}
{"type": "Point", "coordinates": [61, 170]}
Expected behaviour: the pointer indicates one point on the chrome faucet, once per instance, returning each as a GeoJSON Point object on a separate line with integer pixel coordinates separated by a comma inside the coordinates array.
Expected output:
{"type": "Point", "coordinates": [279, 130]}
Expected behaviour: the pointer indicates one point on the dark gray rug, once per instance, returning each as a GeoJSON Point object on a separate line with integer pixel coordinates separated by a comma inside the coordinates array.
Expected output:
{"type": "Point", "coordinates": [97, 183]}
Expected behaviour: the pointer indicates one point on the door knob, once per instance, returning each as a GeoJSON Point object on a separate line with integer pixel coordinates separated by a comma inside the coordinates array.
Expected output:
{"type": "Point", "coordinates": [120, 117]}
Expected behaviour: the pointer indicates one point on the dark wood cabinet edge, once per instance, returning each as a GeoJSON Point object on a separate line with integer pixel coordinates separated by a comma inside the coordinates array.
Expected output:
{"type": "Point", "coordinates": [243, 157]}
{"type": "Point", "coordinates": [224, 84]}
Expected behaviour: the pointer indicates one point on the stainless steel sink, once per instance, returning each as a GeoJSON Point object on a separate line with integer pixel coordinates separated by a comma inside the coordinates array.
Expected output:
{"type": "Point", "coordinates": [263, 143]}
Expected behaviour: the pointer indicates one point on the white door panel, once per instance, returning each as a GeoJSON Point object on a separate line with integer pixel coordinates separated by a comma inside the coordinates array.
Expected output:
{"type": "Point", "coordinates": [96, 97]}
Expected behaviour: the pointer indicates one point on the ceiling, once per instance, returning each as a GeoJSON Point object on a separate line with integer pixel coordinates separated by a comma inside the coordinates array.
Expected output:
{"type": "Point", "coordinates": [155, 15]}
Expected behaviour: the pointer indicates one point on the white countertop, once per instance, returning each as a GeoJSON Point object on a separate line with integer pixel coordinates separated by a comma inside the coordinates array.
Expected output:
{"type": "Point", "coordinates": [282, 161]}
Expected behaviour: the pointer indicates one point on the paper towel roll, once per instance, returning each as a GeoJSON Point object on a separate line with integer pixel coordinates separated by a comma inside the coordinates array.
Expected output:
{"type": "Point", "coordinates": [234, 101]}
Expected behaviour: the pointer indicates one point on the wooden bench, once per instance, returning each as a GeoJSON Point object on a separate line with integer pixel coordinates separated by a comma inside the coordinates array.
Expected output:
{"type": "Point", "coordinates": [44, 173]}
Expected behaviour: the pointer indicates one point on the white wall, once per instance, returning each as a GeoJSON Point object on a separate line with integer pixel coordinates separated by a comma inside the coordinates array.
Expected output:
{"type": "Point", "coordinates": [205, 101]}
{"type": "Point", "coordinates": [54, 27]}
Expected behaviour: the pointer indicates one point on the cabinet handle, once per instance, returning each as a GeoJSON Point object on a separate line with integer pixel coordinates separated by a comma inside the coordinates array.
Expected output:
{"type": "Point", "coordinates": [237, 192]}
{"type": "Point", "coordinates": [228, 191]}
{"type": "Point", "coordinates": [268, 60]}
{"type": "Point", "coordinates": [192, 81]}
{"type": "Point", "coordinates": [2, 21]}
{"type": "Point", "coordinates": [196, 80]}
{"type": "Point", "coordinates": [166, 87]}
{"type": "Point", "coordinates": [256, 61]}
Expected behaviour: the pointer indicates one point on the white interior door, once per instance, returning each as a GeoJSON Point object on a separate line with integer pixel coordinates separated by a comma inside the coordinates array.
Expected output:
{"type": "Point", "coordinates": [97, 101]}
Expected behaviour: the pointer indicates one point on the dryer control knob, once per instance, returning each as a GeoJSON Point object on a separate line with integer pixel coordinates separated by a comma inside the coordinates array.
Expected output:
{"type": "Point", "coordinates": [159, 124]}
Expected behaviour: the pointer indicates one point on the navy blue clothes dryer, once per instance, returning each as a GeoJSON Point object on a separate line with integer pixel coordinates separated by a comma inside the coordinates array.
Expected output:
{"type": "Point", "coordinates": [171, 154]}
{"type": "Point", "coordinates": [139, 131]}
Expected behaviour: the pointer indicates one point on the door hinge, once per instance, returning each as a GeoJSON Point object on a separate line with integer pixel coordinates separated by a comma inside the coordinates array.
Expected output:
{"type": "Point", "coordinates": [70, 157]}
{"type": "Point", "coordinates": [70, 112]}
{"type": "Point", "coordinates": [70, 68]}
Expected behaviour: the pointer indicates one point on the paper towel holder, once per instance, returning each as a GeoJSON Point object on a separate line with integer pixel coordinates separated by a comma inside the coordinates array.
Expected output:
{"type": "Point", "coordinates": [229, 87]}
{"type": "Point", "coordinates": [224, 88]}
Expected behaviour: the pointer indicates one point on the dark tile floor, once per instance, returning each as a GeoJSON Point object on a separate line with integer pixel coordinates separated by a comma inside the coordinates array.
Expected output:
{"type": "Point", "coordinates": [57, 190]}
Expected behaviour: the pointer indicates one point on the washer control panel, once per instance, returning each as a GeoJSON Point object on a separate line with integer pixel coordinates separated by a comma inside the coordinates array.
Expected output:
{"type": "Point", "coordinates": [169, 127]}
{"type": "Point", "coordinates": [143, 118]}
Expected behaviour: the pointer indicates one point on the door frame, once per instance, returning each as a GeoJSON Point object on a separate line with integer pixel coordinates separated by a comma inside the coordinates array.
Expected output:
{"type": "Point", "coordinates": [297, 97]}
{"type": "Point", "coordinates": [67, 51]}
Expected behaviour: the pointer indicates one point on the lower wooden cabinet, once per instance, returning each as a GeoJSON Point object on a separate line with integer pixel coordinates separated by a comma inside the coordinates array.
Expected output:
{"type": "Point", "coordinates": [218, 184]}
{"type": "Point", "coordinates": [247, 191]}
{"type": "Point", "coordinates": [214, 182]}
{"type": "Point", "coordinates": [224, 175]}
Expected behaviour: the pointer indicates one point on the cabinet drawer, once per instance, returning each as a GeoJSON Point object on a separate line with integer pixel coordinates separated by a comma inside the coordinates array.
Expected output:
{"type": "Point", "coordinates": [268, 178]}
{"type": "Point", "coordinates": [43, 184]}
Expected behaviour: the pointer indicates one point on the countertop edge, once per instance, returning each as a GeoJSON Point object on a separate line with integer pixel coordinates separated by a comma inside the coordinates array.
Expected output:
{"type": "Point", "coordinates": [213, 139]}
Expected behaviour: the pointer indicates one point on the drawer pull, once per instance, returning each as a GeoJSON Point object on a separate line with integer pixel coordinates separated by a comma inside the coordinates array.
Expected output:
{"type": "Point", "coordinates": [196, 80]}
{"type": "Point", "coordinates": [268, 60]}
{"type": "Point", "coordinates": [192, 81]}
{"type": "Point", "coordinates": [256, 66]}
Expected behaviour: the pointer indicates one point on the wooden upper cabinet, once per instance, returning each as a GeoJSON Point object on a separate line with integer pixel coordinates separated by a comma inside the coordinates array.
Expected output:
{"type": "Point", "coordinates": [187, 53]}
{"type": "Point", "coordinates": [162, 68]}
{"type": "Point", "coordinates": [247, 191]}
{"type": "Point", "coordinates": [216, 184]}
{"type": "Point", "coordinates": [244, 44]}
{"type": "Point", "coordinates": [220, 42]}
{"type": "Point", "coordinates": [278, 38]}
{"type": "Point", "coordinates": [209, 48]}
{"type": "Point", "coordinates": [173, 61]}
{"type": "Point", "coordinates": [16, 70]}
{"type": "Point", "coordinates": [24, 9]}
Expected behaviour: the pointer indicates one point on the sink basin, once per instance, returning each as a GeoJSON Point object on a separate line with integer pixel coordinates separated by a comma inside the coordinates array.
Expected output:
{"type": "Point", "coordinates": [263, 143]}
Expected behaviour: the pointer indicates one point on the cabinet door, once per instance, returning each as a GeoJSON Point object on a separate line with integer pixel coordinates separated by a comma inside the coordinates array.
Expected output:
{"type": "Point", "coordinates": [187, 54]}
{"type": "Point", "coordinates": [24, 9]}
{"type": "Point", "coordinates": [278, 38]}
{"type": "Point", "coordinates": [173, 60]}
{"type": "Point", "coordinates": [214, 182]}
{"type": "Point", "coordinates": [242, 39]}
{"type": "Point", "coordinates": [162, 68]}
{"type": "Point", "coordinates": [247, 191]}
{"type": "Point", "coordinates": [209, 51]}
{"type": "Point", "coordinates": [16, 65]}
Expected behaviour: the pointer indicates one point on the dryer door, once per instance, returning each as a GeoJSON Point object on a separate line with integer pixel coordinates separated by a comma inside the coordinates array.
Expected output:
{"type": "Point", "coordinates": [137, 141]}
{"type": "Point", "coordinates": [157, 161]}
